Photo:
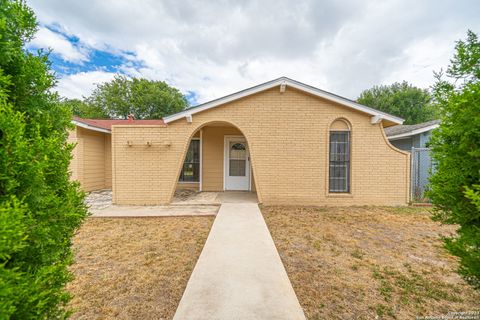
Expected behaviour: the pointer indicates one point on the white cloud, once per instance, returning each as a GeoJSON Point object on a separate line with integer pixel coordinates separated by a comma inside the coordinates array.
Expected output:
{"type": "Point", "coordinates": [216, 47]}
{"type": "Point", "coordinates": [421, 57]}
{"type": "Point", "coordinates": [47, 39]}
{"type": "Point", "coordinates": [82, 83]}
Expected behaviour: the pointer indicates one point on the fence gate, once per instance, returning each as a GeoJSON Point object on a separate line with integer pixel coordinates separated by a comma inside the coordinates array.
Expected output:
{"type": "Point", "coordinates": [422, 167]}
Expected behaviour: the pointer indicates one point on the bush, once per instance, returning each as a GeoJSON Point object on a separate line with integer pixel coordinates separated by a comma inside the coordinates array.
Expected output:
{"type": "Point", "coordinates": [40, 208]}
{"type": "Point", "coordinates": [455, 146]}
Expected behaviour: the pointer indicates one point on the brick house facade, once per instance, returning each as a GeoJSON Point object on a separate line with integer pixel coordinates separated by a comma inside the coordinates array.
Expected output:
{"type": "Point", "coordinates": [291, 143]}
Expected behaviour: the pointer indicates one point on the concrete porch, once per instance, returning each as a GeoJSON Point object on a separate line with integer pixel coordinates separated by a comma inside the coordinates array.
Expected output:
{"type": "Point", "coordinates": [186, 202]}
{"type": "Point", "coordinates": [192, 197]}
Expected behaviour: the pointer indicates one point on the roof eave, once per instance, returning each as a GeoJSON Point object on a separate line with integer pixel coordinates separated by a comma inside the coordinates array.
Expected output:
{"type": "Point", "coordinates": [412, 133]}
{"type": "Point", "coordinates": [89, 127]}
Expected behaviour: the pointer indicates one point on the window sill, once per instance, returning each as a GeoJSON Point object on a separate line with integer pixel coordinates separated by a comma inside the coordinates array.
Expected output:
{"type": "Point", "coordinates": [339, 195]}
{"type": "Point", "coordinates": [189, 182]}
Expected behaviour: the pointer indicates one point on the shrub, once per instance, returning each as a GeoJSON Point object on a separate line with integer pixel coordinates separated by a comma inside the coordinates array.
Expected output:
{"type": "Point", "coordinates": [455, 146]}
{"type": "Point", "coordinates": [40, 208]}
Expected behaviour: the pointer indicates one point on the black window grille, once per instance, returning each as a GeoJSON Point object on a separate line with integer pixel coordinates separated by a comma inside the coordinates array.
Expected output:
{"type": "Point", "coordinates": [191, 165]}
{"type": "Point", "coordinates": [339, 162]}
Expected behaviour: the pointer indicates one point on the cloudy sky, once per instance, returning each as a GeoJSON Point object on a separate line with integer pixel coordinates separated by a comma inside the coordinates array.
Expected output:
{"type": "Point", "coordinates": [211, 48]}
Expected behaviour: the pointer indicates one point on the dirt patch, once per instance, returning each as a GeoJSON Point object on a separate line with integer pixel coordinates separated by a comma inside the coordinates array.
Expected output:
{"type": "Point", "coordinates": [184, 194]}
{"type": "Point", "coordinates": [134, 268]}
{"type": "Point", "coordinates": [368, 262]}
{"type": "Point", "coordinates": [192, 197]}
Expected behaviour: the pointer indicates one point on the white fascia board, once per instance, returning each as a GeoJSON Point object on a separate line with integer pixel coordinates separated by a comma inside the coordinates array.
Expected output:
{"type": "Point", "coordinates": [86, 126]}
{"type": "Point", "coordinates": [413, 133]}
{"type": "Point", "coordinates": [294, 84]}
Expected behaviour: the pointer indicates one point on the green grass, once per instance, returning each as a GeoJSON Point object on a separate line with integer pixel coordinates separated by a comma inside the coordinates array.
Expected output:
{"type": "Point", "coordinates": [317, 245]}
{"type": "Point", "coordinates": [357, 254]}
{"type": "Point", "coordinates": [409, 210]}
{"type": "Point", "coordinates": [383, 310]}
{"type": "Point", "coordinates": [411, 287]}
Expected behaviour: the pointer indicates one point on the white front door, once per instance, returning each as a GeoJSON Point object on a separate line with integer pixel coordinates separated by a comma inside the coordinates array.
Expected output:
{"type": "Point", "coordinates": [237, 164]}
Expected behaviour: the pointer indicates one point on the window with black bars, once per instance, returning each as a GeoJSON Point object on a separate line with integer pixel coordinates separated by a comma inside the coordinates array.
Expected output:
{"type": "Point", "coordinates": [191, 165]}
{"type": "Point", "coordinates": [339, 162]}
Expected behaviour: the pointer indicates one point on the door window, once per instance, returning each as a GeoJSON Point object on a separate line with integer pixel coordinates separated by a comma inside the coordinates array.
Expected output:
{"type": "Point", "coordinates": [237, 159]}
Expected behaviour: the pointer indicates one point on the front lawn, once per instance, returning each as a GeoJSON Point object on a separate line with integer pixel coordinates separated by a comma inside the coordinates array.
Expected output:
{"type": "Point", "coordinates": [364, 262]}
{"type": "Point", "coordinates": [134, 268]}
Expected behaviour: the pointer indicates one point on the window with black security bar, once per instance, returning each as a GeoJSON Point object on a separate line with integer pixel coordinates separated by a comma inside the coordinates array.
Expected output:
{"type": "Point", "coordinates": [339, 162]}
{"type": "Point", "coordinates": [191, 165]}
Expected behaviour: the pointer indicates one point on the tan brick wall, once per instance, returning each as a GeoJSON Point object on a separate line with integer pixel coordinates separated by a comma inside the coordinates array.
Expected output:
{"type": "Point", "coordinates": [91, 163]}
{"type": "Point", "coordinates": [288, 138]}
{"type": "Point", "coordinates": [108, 161]}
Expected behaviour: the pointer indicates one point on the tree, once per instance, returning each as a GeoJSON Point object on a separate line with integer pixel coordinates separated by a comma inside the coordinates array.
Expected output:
{"type": "Point", "coordinates": [85, 110]}
{"type": "Point", "coordinates": [455, 184]}
{"type": "Point", "coordinates": [143, 98]}
{"type": "Point", "coordinates": [400, 99]}
{"type": "Point", "coordinates": [40, 208]}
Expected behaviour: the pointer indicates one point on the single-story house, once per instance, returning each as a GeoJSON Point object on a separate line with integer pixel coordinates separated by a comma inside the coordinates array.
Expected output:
{"type": "Point", "coordinates": [406, 137]}
{"type": "Point", "coordinates": [289, 142]}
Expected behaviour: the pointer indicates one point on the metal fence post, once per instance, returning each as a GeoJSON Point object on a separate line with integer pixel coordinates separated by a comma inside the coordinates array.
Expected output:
{"type": "Point", "coordinates": [412, 175]}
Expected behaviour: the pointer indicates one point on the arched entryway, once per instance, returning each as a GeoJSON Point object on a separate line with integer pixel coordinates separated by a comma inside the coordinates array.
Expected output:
{"type": "Point", "coordinates": [218, 159]}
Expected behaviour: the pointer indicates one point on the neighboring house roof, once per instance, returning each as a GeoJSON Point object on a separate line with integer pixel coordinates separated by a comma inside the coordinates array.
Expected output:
{"type": "Point", "coordinates": [405, 131]}
{"type": "Point", "coordinates": [106, 125]}
{"type": "Point", "coordinates": [283, 83]}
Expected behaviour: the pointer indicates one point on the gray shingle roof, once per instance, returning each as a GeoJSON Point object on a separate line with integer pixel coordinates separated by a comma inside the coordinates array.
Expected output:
{"type": "Point", "coordinates": [402, 129]}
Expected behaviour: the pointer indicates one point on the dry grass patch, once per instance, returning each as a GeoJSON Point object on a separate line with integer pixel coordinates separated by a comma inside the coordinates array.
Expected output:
{"type": "Point", "coordinates": [134, 268]}
{"type": "Point", "coordinates": [368, 262]}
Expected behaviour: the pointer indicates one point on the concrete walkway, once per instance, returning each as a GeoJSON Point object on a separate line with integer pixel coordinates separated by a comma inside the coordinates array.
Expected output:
{"type": "Point", "coordinates": [239, 274]}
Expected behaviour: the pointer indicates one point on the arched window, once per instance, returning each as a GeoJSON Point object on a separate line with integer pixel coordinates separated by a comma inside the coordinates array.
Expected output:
{"type": "Point", "coordinates": [339, 157]}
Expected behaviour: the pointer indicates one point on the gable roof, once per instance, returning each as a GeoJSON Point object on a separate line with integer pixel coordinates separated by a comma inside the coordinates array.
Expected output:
{"type": "Point", "coordinates": [105, 125]}
{"type": "Point", "coordinates": [282, 82]}
{"type": "Point", "coordinates": [405, 131]}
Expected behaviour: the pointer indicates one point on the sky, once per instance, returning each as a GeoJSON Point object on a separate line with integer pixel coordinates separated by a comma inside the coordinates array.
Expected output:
{"type": "Point", "coordinates": [208, 49]}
